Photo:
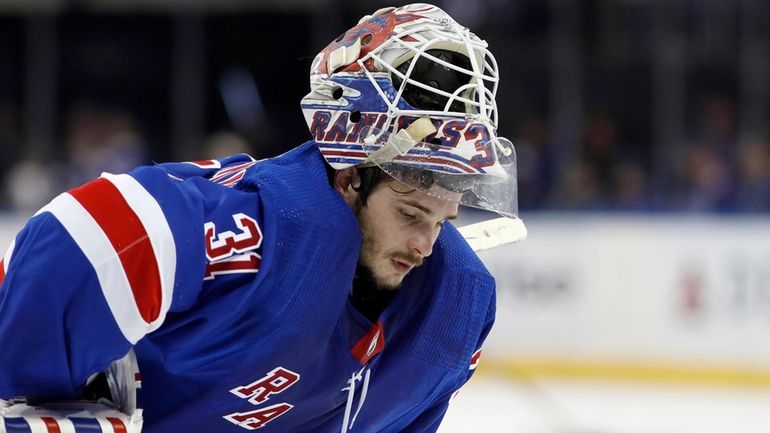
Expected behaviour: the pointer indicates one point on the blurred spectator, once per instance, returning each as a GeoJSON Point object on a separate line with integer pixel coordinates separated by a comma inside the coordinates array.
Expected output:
{"type": "Point", "coordinates": [707, 173]}
{"type": "Point", "coordinates": [600, 149]}
{"type": "Point", "coordinates": [224, 143]}
{"type": "Point", "coordinates": [534, 166]}
{"type": "Point", "coordinates": [631, 187]}
{"type": "Point", "coordinates": [31, 183]}
{"type": "Point", "coordinates": [603, 178]}
{"type": "Point", "coordinates": [706, 180]}
{"type": "Point", "coordinates": [579, 189]}
{"type": "Point", "coordinates": [717, 128]}
{"type": "Point", "coordinates": [753, 192]}
{"type": "Point", "coordinates": [101, 140]}
{"type": "Point", "coordinates": [10, 144]}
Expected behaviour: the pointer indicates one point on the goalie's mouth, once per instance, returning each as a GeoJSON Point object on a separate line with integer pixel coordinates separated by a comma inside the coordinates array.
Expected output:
{"type": "Point", "coordinates": [400, 266]}
{"type": "Point", "coordinates": [408, 261]}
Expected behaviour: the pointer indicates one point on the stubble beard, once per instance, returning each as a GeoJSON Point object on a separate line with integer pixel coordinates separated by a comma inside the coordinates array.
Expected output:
{"type": "Point", "coordinates": [365, 274]}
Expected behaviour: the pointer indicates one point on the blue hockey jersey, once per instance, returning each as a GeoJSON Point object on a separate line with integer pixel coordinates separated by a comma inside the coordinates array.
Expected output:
{"type": "Point", "coordinates": [230, 279]}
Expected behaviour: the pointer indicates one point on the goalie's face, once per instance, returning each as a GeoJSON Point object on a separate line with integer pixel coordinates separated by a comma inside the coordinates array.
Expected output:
{"type": "Point", "coordinates": [399, 226]}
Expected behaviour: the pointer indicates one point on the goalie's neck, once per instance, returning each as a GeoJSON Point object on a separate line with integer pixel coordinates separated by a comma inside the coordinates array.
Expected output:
{"type": "Point", "coordinates": [368, 299]}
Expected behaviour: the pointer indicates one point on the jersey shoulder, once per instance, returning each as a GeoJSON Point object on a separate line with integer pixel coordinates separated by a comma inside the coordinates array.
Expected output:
{"type": "Point", "coordinates": [458, 289]}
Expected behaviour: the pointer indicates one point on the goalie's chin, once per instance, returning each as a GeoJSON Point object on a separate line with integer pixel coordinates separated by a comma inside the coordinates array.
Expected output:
{"type": "Point", "coordinates": [389, 278]}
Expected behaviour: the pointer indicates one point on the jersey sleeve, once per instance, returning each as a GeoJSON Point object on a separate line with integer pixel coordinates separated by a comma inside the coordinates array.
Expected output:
{"type": "Point", "coordinates": [91, 274]}
{"type": "Point", "coordinates": [480, 298]}
{"type": "Point", "coordinates": [429, 420]}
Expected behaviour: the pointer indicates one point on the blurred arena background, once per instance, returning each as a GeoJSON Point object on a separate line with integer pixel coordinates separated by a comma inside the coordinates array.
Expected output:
{"type": "Point", "coordinates": [641, 300]}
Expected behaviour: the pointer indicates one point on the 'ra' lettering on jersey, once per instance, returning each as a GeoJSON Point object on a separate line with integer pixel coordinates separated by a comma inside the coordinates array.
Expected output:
{"type": "Point", "coordinates": [275, 382]}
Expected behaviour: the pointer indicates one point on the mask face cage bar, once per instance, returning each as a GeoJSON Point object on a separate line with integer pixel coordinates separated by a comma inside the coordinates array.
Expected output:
{"type": "Point", "coordinates": [486, 105]}
{"type": "Point", "coordinates": [476, 80]}
{"type": "Point", "coordinates": [484, 97]}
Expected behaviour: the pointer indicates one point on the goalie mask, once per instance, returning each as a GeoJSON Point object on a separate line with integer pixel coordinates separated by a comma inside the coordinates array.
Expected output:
{"type": "Point", "coordinates": [410, 90]}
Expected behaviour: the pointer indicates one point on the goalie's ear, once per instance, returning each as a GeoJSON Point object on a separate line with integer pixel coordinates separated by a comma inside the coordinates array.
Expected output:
{"type": "Point", "coordinates": [346, 182]}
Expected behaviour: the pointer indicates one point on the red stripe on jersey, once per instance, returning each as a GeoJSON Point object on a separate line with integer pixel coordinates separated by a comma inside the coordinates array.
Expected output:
{"type": "Point", "coordinates": [475, 359]}
{"type": "Point", "coordinates": [208, 163]}
{"type": "Point", "coordinates": [117, 425]}
{"type": "Point", "coordinates": [233, 180]}
{"type": "Point", "coordinates": [2, 270]}
{"type": "Point", "coordinates": [50, 424]}
{"type": "Point", "coordinates": [230, 170]}
{"type": "Point", "coordinates": [129, 238]}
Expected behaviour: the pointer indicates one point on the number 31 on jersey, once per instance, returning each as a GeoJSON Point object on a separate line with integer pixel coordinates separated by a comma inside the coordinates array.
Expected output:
{"type": "Point", "coordinates": [233, 253]}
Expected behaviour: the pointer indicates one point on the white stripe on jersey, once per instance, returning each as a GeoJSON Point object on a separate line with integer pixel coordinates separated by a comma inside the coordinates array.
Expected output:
{"type": "Point", "coordinates": [109, 270]}
{"type": "Point", "coordinates": [154, 221]}
{"type": "Point", "coordinates": [7, 257]}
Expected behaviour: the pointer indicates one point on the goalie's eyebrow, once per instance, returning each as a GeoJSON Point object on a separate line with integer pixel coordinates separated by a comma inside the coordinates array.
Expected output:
{"type": "Point", "coordinates": [427, 211]}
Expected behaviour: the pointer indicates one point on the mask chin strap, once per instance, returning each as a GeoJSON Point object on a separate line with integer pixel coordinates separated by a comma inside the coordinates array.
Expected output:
{"type": "Point", "coordinates": [402, 142]}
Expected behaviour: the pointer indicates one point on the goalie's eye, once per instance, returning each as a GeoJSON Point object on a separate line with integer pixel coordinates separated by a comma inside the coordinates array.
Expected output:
{"type": "Point", "coordinates": [407, 216]}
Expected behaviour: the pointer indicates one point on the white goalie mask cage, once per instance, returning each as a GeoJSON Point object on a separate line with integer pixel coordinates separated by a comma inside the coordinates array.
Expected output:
{"type": "Point", "coordinates": [409, 89]}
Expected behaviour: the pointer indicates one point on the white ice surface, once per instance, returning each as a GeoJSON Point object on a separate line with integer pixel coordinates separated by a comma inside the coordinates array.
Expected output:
{"type": "Point", "coordinates": [502, 405]}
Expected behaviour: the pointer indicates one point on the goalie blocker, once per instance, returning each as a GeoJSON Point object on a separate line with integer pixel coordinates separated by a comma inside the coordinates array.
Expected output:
{"type": "Point", "coordinates": [121, 414]}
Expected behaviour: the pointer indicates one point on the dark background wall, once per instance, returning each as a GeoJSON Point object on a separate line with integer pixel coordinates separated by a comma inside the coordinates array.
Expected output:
{"type": "Point", "coordinates": [614, 105]}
